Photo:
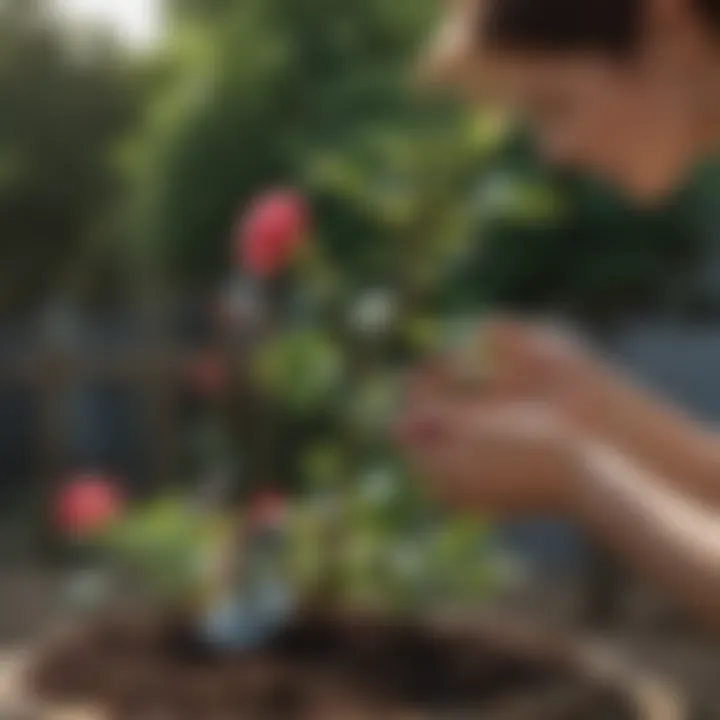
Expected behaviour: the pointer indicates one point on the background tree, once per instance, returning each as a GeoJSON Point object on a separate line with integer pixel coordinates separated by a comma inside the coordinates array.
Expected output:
{"type": "Point", "coordinates": [66, 103]}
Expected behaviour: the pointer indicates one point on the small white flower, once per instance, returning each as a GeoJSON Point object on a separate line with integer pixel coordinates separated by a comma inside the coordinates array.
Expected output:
{"type": "Point", "coordinates": [374, 312]}
{"type": "Point", "coordinates": [498, 193]}
{"type": "Point", "coordinates": [378, 486]}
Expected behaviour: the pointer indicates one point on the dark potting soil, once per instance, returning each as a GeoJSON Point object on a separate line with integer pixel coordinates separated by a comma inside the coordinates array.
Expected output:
{"type": "Point", "coordinates": [323, 666]}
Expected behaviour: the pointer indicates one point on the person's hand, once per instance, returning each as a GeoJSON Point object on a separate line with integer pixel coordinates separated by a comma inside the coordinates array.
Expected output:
{"type": "Point", "coordinates": [486, 453]}
{"type": "Point", "coordinates": [532, 361]}
{"type": "Point", "coordinates": [529, 360]}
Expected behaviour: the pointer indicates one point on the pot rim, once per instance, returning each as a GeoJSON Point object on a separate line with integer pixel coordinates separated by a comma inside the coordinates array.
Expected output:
{"type": "Point", "coordinates": [655, 698]}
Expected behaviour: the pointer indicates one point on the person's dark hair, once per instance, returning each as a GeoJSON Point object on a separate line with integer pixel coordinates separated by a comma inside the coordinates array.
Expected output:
{"type": "Point", "coordinates": [710, 9]}
{"type": "Point", "coordinates": [607, 26]}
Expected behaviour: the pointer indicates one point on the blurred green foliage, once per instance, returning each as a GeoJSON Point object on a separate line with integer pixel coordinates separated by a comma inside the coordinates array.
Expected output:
{"type": "Point", "coordinates": [383, 550]}
{"type": "Point", "coordinates": [302, 368]}
{"type": "Point", "coordinates": [64, 108]}
{"type": "Point", "coordinates": [165, 545]}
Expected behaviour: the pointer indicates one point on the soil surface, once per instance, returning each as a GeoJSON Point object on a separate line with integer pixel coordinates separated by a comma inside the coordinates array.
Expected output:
{"type": "Point", "coordinates": [323, 666]}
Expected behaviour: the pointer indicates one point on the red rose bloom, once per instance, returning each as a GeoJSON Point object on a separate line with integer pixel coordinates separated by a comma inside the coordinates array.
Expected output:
{"type": "Point", "coordinates": [271, 231]}
{"type": "Point", "coordinates": [87, 505]}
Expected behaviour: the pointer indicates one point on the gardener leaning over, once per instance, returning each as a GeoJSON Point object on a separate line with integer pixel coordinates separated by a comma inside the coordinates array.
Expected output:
{"type": "Point", "coordinates": [629, 90]}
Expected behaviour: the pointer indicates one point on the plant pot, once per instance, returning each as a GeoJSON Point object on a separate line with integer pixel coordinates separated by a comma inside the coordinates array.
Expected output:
{"type": "Point", "coordinates": [338, 666]}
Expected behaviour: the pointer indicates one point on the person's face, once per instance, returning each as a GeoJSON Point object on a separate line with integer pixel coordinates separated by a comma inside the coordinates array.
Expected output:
{"type": "Point", "coordinates": [618, 120]}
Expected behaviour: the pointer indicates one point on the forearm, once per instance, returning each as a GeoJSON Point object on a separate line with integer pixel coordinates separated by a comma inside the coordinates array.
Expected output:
{"type": "Point", "coordinates": [671, 540]}
{"type": "Point", "coordinates": [662, 438]}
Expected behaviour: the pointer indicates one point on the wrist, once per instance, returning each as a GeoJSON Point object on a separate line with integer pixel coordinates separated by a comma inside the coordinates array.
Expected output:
{"type": "Point", "coordinates": [600, 468]}
{"type": "Point", "coordinates": [585, 456]}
